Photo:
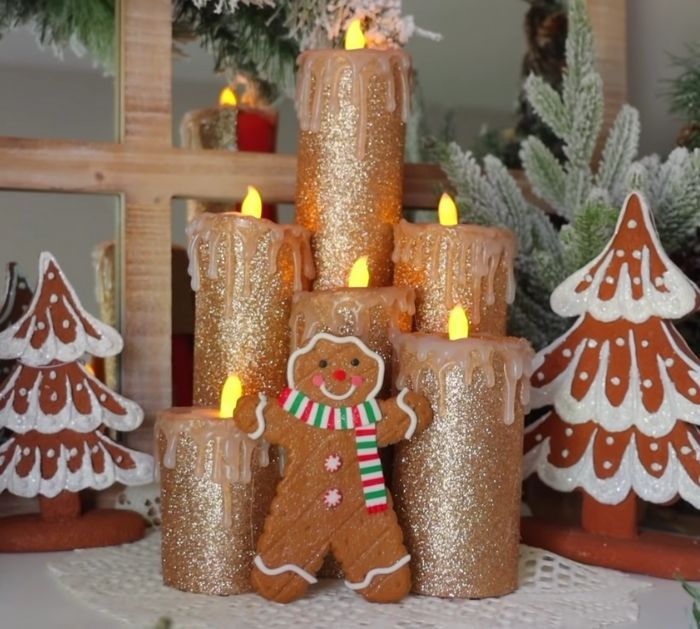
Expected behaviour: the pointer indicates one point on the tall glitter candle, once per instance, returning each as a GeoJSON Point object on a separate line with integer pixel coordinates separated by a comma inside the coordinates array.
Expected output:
{"type": "Point", "coordinates": [352, 107]}
{"type": "Point", "coordinates": [456, 486]}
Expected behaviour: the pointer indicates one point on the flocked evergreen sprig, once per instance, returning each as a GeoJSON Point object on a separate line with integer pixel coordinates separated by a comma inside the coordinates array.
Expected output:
{"type": "Point", "coordinates": [587, 199]}
{"type": "Point", "coordinates": [684, 95]}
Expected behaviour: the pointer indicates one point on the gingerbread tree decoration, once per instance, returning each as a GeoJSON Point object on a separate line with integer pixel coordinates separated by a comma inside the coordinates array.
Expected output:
{"type": "Point", "coordinates": [625, 394]}
{"type": "Point", "coordinates": [58, 412]}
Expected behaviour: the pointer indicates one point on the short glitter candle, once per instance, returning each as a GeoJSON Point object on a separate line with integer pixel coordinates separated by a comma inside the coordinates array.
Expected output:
{"type": "Point", "coordinates": [450, 264]}
{"type": "Point", "coordinates": [457, 485]}
{"type": "Point", "coordinates": [212, 514]}
{"type": "Point", "coordinates": [352, 107]}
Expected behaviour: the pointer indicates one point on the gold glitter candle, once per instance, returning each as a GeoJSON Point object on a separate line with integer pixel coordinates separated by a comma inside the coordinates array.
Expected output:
{"type": "Point", "coordinates": [244, 271]}
{"type": "Point", "coordinates": [352, 107]}
{"type": "Point", "coordinates": [456, 264]}
{"type": "Point", "coordinates": [216, 486]}
{"type": "Point", "coordinates": [456, 486]}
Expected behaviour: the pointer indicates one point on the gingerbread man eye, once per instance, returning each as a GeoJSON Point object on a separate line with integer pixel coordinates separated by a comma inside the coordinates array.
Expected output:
{"type": "Point", "coordinates": [355, 362]}
{"type": "Point", "coordinates": [323, 363]}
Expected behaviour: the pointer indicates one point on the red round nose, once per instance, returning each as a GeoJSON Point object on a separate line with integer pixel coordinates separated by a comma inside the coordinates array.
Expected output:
{"type": "Point", "coordinates": [339, 374]}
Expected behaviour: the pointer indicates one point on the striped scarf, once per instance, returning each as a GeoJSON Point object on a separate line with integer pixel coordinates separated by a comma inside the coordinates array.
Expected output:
{"type": "Point", "coordinates": [362, 418]}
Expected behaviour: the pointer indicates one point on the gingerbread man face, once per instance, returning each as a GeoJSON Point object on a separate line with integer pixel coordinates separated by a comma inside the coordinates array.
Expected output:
{"type": "Point", "coordinates": [336, 371]}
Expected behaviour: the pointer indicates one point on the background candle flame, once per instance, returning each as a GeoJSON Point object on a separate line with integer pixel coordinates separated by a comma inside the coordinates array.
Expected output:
{"type": "Point", "coordinates": [227, 98]}
{"type": "Point", "coordinates": [458, 325]}
{"type": "Point", "coordinates": [447, 210]}
{"type": "Point", "coordinates": [355, 38]}
{"type": "Point", "coordinates": [359, 274]}
{"type": "Point", "coordinates": [230, 394]}
{"type": "Point", "coordinates": [252, 204]}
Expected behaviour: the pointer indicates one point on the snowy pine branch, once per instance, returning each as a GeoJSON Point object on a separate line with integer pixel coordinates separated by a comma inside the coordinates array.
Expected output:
{"type": "Point", "coordinates": [620, 149]}
{"type": "Point", "coordinates": [543, 171]}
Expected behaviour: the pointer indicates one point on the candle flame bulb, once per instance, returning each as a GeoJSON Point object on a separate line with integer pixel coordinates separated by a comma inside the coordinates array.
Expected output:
{"type": "Point", "coordinates": [252, 204]}
{"type": "Point", "coordinates": [359, 274]}
{"type": "Point", "coordinates": [447, 210]}
{"type": "Point", "coordinates": [458, 325]}
{"type": "Point", "coordinates": [227, 98]}
{"type": "Point", "coordinates": [354, 37]}
{"type": "Point", "coordinates": [230, 394]}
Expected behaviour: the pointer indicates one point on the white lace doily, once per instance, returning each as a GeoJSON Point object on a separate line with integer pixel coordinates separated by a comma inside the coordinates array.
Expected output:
{"type": "Point", "coordinates": [125, 583]}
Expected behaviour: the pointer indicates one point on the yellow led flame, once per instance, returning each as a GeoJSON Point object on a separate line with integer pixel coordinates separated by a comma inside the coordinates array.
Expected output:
{"type": "Point", "coordinates": [355, 38]}
{"type": "Point", "coordinates": [227, 98]}
{"type": "Point", "coordinates": [458, 325]}
{"type": "Point", "coordinates": [230, 394]}
{"type": "Point", "coordinates": [359, 274]}
{"type": "Point", "coordinates": [447, 210]}
{"type": "Point", "coordinates": [252, 204]}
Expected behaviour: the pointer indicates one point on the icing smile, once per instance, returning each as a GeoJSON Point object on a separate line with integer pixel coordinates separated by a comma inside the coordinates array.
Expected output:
{"type": "Point", "coordinates": [333, 396]}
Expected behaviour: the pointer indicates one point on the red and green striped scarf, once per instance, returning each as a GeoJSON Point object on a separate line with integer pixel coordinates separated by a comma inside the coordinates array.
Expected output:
{"type": "Point", "coordinates": [362, 418]}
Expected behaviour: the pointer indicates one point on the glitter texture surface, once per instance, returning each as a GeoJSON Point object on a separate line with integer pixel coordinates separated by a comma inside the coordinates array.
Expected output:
{"type": "Point", "coordinates": [457, 485]}
{"type": "Point", "coordinates": [465, 265]}
{"type": "Point", "coordinates": [201, 550]}
{"type": "Point", "coordinates": [349, 199]}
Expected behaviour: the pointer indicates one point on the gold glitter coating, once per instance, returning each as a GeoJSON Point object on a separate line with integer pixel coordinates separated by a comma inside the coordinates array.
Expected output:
{"type": "Point", "coordinates": [209, 128]}
{"type": "Point", "coordinates": [210, 525]}
{"type": "Point", "coordinates": [456, 486]}
{"type": "Point", "coordinates": [350, 160]}
{"type": "Point", "coordinates": [244, 271]}
{"type": "Point", "coordinates": [465, 265]}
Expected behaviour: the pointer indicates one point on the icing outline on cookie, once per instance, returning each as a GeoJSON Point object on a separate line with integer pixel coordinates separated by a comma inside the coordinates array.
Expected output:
{"type": "Point", "coordinates": [343, 340]}
{"type": "Point", "coordinates": [375, 572]}
{"type": "Point", "coordinates": [287, 567]}
{"type": "Point", "coordinates": [260, 416]}
{"type": "Point", "coordinates": [413, 418]}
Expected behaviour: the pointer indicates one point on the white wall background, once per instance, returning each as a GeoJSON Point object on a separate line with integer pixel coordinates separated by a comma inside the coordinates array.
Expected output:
{"type": "Point", "coordinates": [473, 71]}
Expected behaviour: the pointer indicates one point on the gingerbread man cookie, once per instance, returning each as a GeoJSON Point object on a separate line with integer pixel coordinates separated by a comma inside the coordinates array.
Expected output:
{"type": "Point", "coordinates": [333, 495]}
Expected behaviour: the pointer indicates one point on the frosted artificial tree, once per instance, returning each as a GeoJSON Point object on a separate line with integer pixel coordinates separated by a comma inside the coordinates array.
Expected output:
{"type": "Point", "coordinates": [625, 391]}
{"type": "Point", "coordinates": [58, 413]}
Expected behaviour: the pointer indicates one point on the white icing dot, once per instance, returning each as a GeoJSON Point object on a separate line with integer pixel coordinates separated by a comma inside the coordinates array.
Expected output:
{"type": "Point", "coordinates": [656, 467]}
{"type": "Point", "coordinates": [21, 285]}
{"type": "Point", "coordinates": [659, 281]}
{"type": "Point", "coordinates": [637, 281]}
{"type": "Point", "coordinates": [619, 341]}
{"type": "Point", "coordinates": [607, 465]}
{"type": "Point", "coordinates": [686, 450]}
{"type": "Point", "coordinates": [73, 452]}
{"type": "Point", "coordinates": [103, 397]}
{"type": "Point", "coordinates": [631, 223]}
{"type": "Point", "coordinates": [50, 453]}
{"type": "Point", "coordinates": [25, 307]}
{"type": "Point", "coordinates": [54, 396]}
{"type": "Point", "coordinates": [538, 437]}
{"type": "Point", "coordinates": [41, 325]}
{"type": "Point", "coordinates": [668, 362]}
{"type": "Point", "coordinates": [588, 277]}
{"type": "Point", "coordinates": [647, 383]}
{"type": "Point", "coordinates": [568, 431]}
{"type": "Point", "coordinates": [610, 279]}
{"type": "Point", "coordinates": [65, 324]}
{"type": "Point", "coordinates": [26, 451]}
{"type": "Point", "coordinates": [540, 375]}
{"type": "Point", "coordinates": [637, 254]}
{"type": "Point", "coordinates": [653, 446]}
{"type": "Point", "coordinates": [52, 374]}
{"type": "Point", "coordinates": [119, 459]}
{"type": "Point", "coordinates": [583, 375]}
{"type": "Point", "coordinates": [79, 386]}
{"type": "Point", "coordinates": [609, 440]}
{"type": "Point", "coordinates": [50, 275]}
{"type": "Point", "coordinates": [619, 253]}
{"type": "Point", "coordinates": [23, 391]}
{"type": "Point", "coordinates": [592, 343]}
{"type": "Point", "coordinates": [95, 449]}
{"type": "Point", "coordinates": [564, 454]}
{"type": "Point", "coordinates": [692, 391]}
{"type": "Point", "coordinates": [53, 299]}
{"type": "Point", "coordinates": [567, 353]}
{"type": "Point", "coordinates": [645, 343]}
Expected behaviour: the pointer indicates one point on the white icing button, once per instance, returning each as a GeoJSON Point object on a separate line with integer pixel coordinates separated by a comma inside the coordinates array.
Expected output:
{"type": "Point", "coordinates": [41, 325]}
{"type": "Point", "coordinates": [54, 396]}
{"type": "Point", "coordinates": [52, 374]}
{"type": "Point", "coordinates": [23, 391]}
{"type": "Point", "coordinates": [22, 285]}
{"type": "Point", "coordinates": [609, 440]}
{"type": "Point", "coordinates": [607, 465]}
{"type": "Point", "coordinates": [53, 299]}
{"type": "Point", "coordinates": [615, 380]}
{"type": "Point", "coordinates": [73, 452]}
{"type": "Point", "coordinates": [564, 454]}
{"type": "Point", "coordinates": [583, 375]}
{"type": "Point", "coordinates": [103, 397]}
{"type": "Point", "coordinates": [592, 343]}
{"type": "Point", "coordinates": [540, 375]}
{"type": "Point", "coordinates": [631, 223]}
{"type": "Point", "coordinates": [645, 343]}
{"type": "Point", "coordinates": [333, 463]}
{"type": "Point", "coordinates": [654, 446]}
{"type": "Point", "coordinates": [609, 280]}
{"type": "Point", "coordinates": [686, 450]}
{"type": "Point", "coordinates": [26, 451]}
{"type": "Point", "coordinates": [619, 341]}
{"type": "Point", "coordinates": [538, 437]}
{"type": "Point", "coordinates": [79, 386]}
{"type": "Point", "coordinates": [65, 324]}
{"type": "Point", "coordinates": [567, 353]}
{"type": "Point", "coordinates": [119, 459]}
{"type": "Point", "coordinates": [637, 281]}
{"type": "Point", "coordinates": [692, 391]}
{"type": "Point", "coordinates": [647, 384]}
{"type": "Point", "coordinates": [636, 254]}
{"type": "Point", "coordinates": [619, 253]}
{"type": "Point", "coordinates": [656, 467]}
{"type": "Point", "coordinates": [568, 431]}
{"type": "Point", "coordinates": [50, 275]}
{"type": "Point", "coordinates": [50, 453]}
{"type": "Point", "coordinates": [332, 498]}
{"type": "Point", "coordinates": [668, 362]}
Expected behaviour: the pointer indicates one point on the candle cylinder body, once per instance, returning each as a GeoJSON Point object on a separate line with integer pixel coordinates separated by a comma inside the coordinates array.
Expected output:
{"type": "Point", "coordinates": [456, 486]}
{"type": "Point", "coordinates": [465, 265]}
{"type": "Point", "coordinates": [216, 484]}
{"type": "Point", "coordinates": [352, 108]}
{"type": "Point", "coordinates": [244, 271]}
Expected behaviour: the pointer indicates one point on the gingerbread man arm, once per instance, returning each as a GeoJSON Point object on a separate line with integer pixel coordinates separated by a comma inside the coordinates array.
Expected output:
{"type": "Point", "coordinates": [257, 416]}
{"type": "Point", "coordinates": [402, 417]}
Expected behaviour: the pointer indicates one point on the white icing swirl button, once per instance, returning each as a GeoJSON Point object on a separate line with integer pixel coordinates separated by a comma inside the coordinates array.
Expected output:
{"type": "Point", "coordinates": [332, 498]}
{"type": "Point", "coordinates": [333, 462]}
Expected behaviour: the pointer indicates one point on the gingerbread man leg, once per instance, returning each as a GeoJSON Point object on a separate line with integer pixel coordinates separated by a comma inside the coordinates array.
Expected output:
{"type": "Point", "coordinates": [375, 561]}
{"type": "Point", "coordinates": [282, 572]}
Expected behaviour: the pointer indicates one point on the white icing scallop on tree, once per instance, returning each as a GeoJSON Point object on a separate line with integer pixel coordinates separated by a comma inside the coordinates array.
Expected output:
{"type": "Point", "coordinates": [622, 382]}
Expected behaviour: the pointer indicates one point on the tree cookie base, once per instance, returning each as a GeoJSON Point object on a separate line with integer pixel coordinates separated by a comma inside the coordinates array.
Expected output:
{"type": "Point", "coordinates": [656, 554]}
{"type": "Point", "coordinates": [103, 527]}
